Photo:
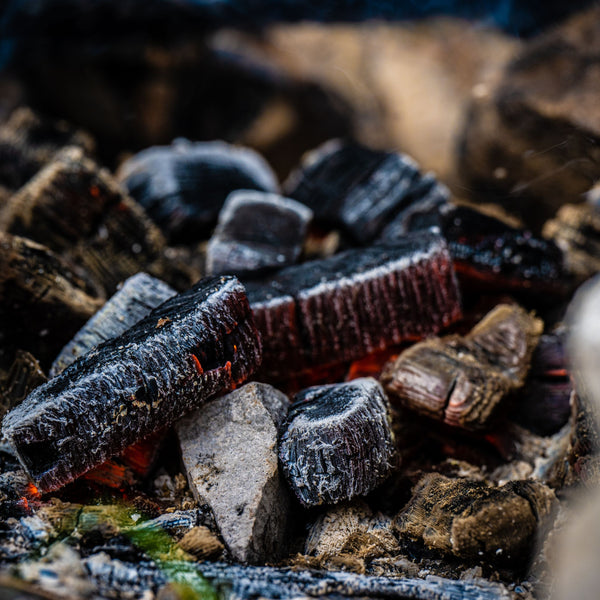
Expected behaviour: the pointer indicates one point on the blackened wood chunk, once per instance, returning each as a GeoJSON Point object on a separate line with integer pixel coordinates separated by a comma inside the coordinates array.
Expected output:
{"type": "Point", "coordinates": [188, 349]}
{"type": "Point", "coordinates": [532, 141]}
{"type": "Point", "coordinates": [359, 190]}
{"type": "Point", "coordinates": [338, 442]}
{"type": "Point", "coordinates": [476, 522]}
{"type": "Point", "coordinates": [43, 301]}
{"type": "Point", "coordinates": [136, 298]}
{"type": "Point", "coordinates": [463, 380]}
{"type": "Point", "coordinates": [78, 209]}
{"type": "Point", "coordinates": [24, 375]}
{"type": "Point", "coordinates": [28, 142]}
{"type": "Point", "coordinates": [344, 307]}
{"type": "Point", "coordinates": [492, 254]}
{"type": "Point", "coordinates": [576, 231]}
{"type": "Point", "coordinates": [229, 451]}
{"type": "Point", "coordinates": [257, 231]}
{"type": "Point", "coordinates": [184, 186]}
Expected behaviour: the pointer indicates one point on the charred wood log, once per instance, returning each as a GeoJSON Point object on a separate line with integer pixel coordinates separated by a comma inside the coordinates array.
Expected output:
{"type": "Point", "coordinates": [188, 349]}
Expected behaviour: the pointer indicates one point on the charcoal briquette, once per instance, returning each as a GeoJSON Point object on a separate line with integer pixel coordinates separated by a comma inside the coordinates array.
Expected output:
{"type": "Point", "coordinates": [257, 231]}
{"type": "Point", "coordinates": [135, 299]}
{"type": "Point", "coordinates": [344, 307]}
{"type": "Point", "coordinates": [193, 346]}
{"type": "Point", "coordinates": [184, 186]}
{"type": "Point", "coordinates": [359, 190]}
{"type": "Point", "coordinates": [337, 443]}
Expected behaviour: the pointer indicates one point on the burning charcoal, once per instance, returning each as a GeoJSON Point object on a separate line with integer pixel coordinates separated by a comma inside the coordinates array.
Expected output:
{"type": "Point", "coordinates": [338, 442]}
{"type": "Point", "coordinates": [576, 231]}
{"type": "Point", "coordinates": [489, 252]}
{"type": "Point", "coordinates": [359, 190]}
{"type": "Point", "coordinates": [229, 450]}
{"type": "Point", "coordinates": [27, 143]}
{"type": "Point", "coordinates": [24, 376]}
{"type": "Point", "coordinates": [340, 309]}
{"type": "Point", "coordinates": [462, 380]}
{"type": "Point", "coordinates": [474, 521]}
{"type": "Point", "coordinates": [353, 530]}
{"type": "Point", "coordinates": [78, 210]}
{"type": "Point", "coordinates": [43, 302]}
{"type": "Point", "coordinates": [184, 186]}
{"type": "Point", "coordinates": [257, 231]}
{"type": "Point", "coordinates": [543, 405]}
{"type": "Point", "coordinates": [188, 349]}
{"type": "Point", "coordinates": [136, 298]}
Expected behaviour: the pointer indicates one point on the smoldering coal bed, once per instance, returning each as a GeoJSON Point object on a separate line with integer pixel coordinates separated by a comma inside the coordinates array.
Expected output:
{"type": "Point", "coordinates": [320, 347]}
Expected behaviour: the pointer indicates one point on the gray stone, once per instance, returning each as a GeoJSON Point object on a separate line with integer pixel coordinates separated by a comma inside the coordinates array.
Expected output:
{"type": "Point", "coordinates": [229, 450]}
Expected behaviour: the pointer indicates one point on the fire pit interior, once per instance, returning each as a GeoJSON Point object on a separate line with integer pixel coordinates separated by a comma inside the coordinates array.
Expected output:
{"type": "Point", "coordinates": [291, 308]}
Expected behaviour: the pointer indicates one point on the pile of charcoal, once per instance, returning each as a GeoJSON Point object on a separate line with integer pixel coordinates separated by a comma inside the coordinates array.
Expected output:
{"type": "Point", "coordinates": [349, 385]}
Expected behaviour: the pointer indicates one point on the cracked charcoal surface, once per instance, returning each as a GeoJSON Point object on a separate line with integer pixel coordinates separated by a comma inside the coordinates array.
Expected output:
{"type": "Point", "coordinates": [136, 298]}
{"type": "Point", "coordinates": [257, 231]}
{"type": "Point", "coordinates": [338, 442]}
{"type": "Point", "coordinates": [43, 300]}
{"type": "Point", "coordinates": [193, 346]}
{"type": "Point", "coordinates": [341, 308]}
{"type": "Point", "coordinates": [229, 451]}
{"type": "Point", "coordinates": [184, 186]}
{"type": "Point", "coordinates": [246, 583]}
{"type": "Point", "coordinates": [474, 521]}
{"type": "Point", "coordinates": [463, 380]}
{"type": "Point", "coordinates": [360, 190]}
{"type": "Point", "coordinates": [491, 253]}
{"type": "Point", "coordinates": [28, 142]}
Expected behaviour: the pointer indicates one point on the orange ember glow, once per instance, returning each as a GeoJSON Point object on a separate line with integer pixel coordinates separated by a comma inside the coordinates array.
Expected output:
{"type": "Point", "coordinates": [32, 491]}
{"type": "Point", "coordinates": [198, 365]}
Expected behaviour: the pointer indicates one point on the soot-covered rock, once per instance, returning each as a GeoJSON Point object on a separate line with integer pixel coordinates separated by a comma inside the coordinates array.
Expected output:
{"type": "Point", "coordinates": [184, 186]}
{"type": "Point", "coordinates": [136, 298]}
{"type": "Point", "coordinates": [462, 380]}
{"type": "Point", "coordinates": [359, 190]}
{"type": "Point", "coordinates": [337, 443]}
{"type": "Point", "coordinates": [489, 253]}
{"type": "Point", "coordinates": [193, 346]}
{"type": "Point", "coordinates": [229, 451]}
{"type": "Point", "coordinates": [341, 308]}
{"type": "Point", "coordinates": [257, 231]}
{"type": "Point", "coordinates": [474, 521]}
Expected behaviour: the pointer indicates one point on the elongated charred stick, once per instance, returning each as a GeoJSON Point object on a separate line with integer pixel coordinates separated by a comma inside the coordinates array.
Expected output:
{"type": "Point", "coordinates": [188, 349]}
{"type": "Point", "coordinates": [344, 307]}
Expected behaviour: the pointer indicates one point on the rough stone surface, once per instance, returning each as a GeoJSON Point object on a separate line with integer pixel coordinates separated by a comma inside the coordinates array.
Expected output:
{"type": "Point", "coordinates": [229, 450]}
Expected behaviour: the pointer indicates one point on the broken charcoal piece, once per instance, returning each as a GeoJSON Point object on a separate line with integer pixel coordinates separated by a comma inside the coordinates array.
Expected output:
{"type": "Point", "coordinates": [576, 231]}
{"type": "Point", "coordinates": [229, 451]}
{"type": "Point", "coordinates": [136, 298]}
{"type": "Point", "coordinates": [78, 210]}
{"type": "Point", "coordinates": [184, 186]}
{"type": "Point", "coordinates": [358, 189]}
{"type": "Point", "coordinates": [338, 442]}
{"type": "Point", "coordinates": [28, 142]}
{"type": "Point", "coordinates": [193, 346]}
{"type": "Point", "coordinates": [489, 253]}
{"type": "Point", "coordinates": [463, 380]}
{"type": "Point", "coordinates": [257, 231]}
{"type": "Point", "coordinates": [43, 302]}
{"type": "Point", "coordinates": [351, 528]}
{"type": "Point", "coordinates": [476, 522]}
{"type": "Point", "coordinates": [24, 375]}
{"type": "Point", "coordinates": [240, 514]}
{"type": "Point", "coordinates": [344, 307]}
